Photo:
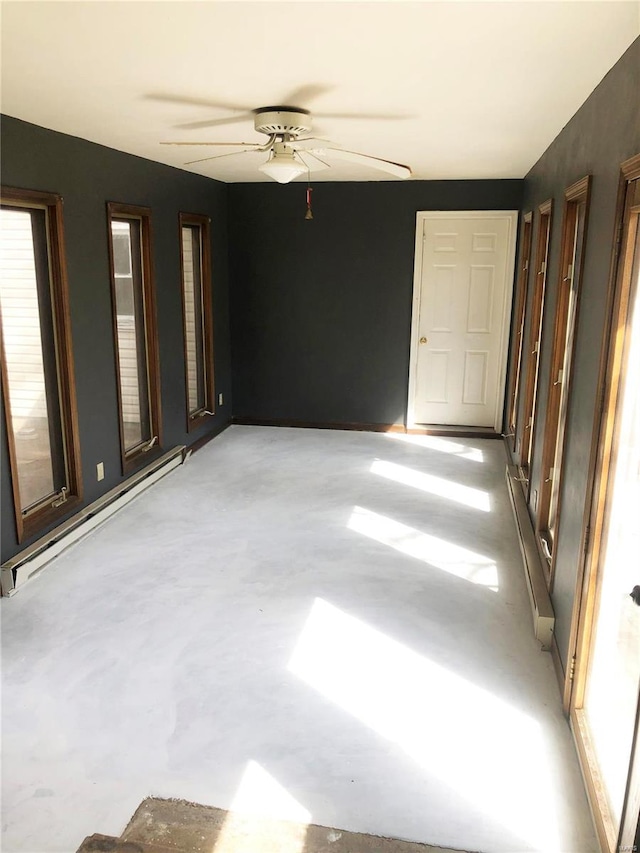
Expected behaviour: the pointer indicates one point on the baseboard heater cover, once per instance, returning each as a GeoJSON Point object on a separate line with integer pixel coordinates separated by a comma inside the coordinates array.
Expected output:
{"type": "Point", "coordinates": [541, 606]}
{"type": "Point", "coordinates": [29, 562]}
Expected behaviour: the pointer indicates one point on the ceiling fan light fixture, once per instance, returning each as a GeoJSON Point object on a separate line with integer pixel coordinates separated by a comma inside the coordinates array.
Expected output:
{"type": "Point", "coordinates": [283, 167]}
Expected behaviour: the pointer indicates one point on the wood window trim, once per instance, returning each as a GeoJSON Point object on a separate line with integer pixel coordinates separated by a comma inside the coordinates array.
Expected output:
{"type": "Point", "coordinates": [519, 314]}
{"type": "Point", "coordinates": [600, 463]}
{"type": "Point", "coordinates": [576, 194]}
{"type": "Point", "coordinates": [629, 171]}
{"type": "Point", "coordinates": [140, 456]}
{"type": "Point", "coordinates": [536, 328]}
{"type": "Point", "coordinates": [29, 525]}
{"type": "Point", "coordinates": [208, 410]}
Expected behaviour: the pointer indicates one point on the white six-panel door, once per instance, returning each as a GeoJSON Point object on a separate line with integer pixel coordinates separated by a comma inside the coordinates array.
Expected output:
{"type": "Point", "coordinates": [462, 298]}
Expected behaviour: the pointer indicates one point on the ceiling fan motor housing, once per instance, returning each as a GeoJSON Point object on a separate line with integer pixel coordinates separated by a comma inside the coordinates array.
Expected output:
{"type": "Point", "coordinates": [282, 120]}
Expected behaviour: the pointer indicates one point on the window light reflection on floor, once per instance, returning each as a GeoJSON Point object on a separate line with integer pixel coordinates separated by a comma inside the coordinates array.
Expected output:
{"type": "Point", "coordinates": [263, 812]}
{"type": "Point", "coordinates": [475, 498]}
{"type": "Point", "coordinates": [443, 445]}
{"type": "Point", "coordinates": [446, 556]}
{"type": "Point", "coordinates": [486, 751]}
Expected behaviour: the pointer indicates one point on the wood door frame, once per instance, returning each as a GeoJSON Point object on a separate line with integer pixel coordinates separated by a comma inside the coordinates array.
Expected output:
{"type": "Point", "coordinates": [587, 581]}
{"type": "Point", "coordinates": [421, 217]}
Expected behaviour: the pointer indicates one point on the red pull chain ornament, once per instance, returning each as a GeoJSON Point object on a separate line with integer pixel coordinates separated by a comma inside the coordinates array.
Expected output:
{"type": "Point", "coordinates": [309, 213]}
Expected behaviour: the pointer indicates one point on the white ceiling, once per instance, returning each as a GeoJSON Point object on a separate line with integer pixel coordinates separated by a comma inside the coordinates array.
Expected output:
{"type": "Point", "coordinates": [480, 88]}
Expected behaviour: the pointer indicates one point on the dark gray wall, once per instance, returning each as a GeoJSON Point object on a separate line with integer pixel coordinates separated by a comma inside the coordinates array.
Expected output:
{"type": "Point", "coordinates": [321, 309]}
{"type": "Point", "coordinates": [87, 176]}
{"type": "Point", "coordinates": [602, 134]}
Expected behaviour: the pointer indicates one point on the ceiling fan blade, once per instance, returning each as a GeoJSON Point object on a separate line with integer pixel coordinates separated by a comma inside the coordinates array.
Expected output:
{"type": "Point", "coordinates": [300, 144]}
{"type": "Point", "coordinates": [224, 144]}
{"type": "Point", "coordinates": [303, 94]}
{"type": "Point", "coordinates": [366, 116]}
{"type": "Point", "coordinates": [312, 161]}
{"type": "Point", "coordinates": [197, 102]}
{"type": "Point", "coordinates": [397, 169]}
{"type": "Point", "coordinates": [216, 122]}
{"type": "Point", "coordinates": [219, 156]}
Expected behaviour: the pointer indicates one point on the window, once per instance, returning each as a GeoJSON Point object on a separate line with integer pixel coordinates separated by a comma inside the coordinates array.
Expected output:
{"type": "Point", "coordinates": [573, 240]}
{"type": "Point", "coordinates": [135, 332]}
{"type": "Point", "coordinates": [602, 694]}
{"type": "Point", "coordinates": [535, 337]}
{"type": "Point", "coordinates": [195, 264]}
{"type": "Point", "coordinates": [37, 363]}
{"type": "Point", "coordinates": [519, 312]}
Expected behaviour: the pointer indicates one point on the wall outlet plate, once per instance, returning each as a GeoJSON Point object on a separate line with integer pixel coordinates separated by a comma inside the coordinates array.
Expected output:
{"type": "Point", "coordinates": [100, 471]}
{"type": "Point", "coordinates": [220, 400]}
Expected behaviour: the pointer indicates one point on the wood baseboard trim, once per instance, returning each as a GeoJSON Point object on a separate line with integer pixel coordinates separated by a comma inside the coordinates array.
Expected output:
{"type": "Point", "coordinates": [284, 422]}
{"type": "Point", "coordinates": [442, 431]}
{"type": "Point", "coordinates": [205, 439]}
{"type": "Point", "coordinates": [454, 432]}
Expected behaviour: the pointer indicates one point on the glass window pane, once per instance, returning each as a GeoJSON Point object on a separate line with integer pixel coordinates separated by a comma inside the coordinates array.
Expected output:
{"type": "Point", "coordinates": [193, 316]}
{"type": "Point", "coordinates": [29, 353]}
{"type": "Point", "coordinates": [535, 339]}
{"type": "Point", "coordinates": [611, 697]}
{"type": "Point", "coordinates": [567, 348]}
{"type": "Point", "coordinates": [131, 342]}
{"type": "Point", "coordinates": [121, 251]}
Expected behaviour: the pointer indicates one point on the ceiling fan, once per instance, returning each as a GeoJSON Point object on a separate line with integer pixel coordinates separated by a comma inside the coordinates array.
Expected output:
{"type": "Point", "coordinates": [291, 150]}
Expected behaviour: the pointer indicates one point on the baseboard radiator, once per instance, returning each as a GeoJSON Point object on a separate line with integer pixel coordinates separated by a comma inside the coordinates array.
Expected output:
{"type": "Point", "coordinates": [29, 562]}
{"type": "Point", "coordinates": [541, 607]}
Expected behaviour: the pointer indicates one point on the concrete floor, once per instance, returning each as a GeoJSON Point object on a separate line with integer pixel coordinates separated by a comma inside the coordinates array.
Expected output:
{"type": "Point", "coordinates": [330, 627]}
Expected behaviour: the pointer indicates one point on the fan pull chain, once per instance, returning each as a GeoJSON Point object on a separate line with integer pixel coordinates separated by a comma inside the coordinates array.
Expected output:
{"type": "Point", "coordinates": [309, 213]}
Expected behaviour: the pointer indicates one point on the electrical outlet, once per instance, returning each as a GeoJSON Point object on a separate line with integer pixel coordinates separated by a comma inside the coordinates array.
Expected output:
{"type": "Point", "coordinates": [220, 400]}
{"type": "Point", "coordinates": [100, 471]}
{"type": "Point", "coordinates": [535, 500]}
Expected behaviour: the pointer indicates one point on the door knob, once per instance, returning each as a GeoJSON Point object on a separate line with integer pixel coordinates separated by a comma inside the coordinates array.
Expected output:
{"type": "Point", "coordinates": [423, 340]}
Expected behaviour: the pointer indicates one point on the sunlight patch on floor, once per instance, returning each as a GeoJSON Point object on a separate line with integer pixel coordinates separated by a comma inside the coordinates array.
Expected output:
{"type": "Point", "coordinates": [486, 751]}
{"type": "Point", "coordinates": [261, 799]}
{"type": "Point", "coordinates": [450, 558]}
{"type": "Point", "coordinates": [261, 795]}
{"type": "Point", "coordinates": [466, 495]}
{"type": "Point", "coordinates": [443, 445]}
